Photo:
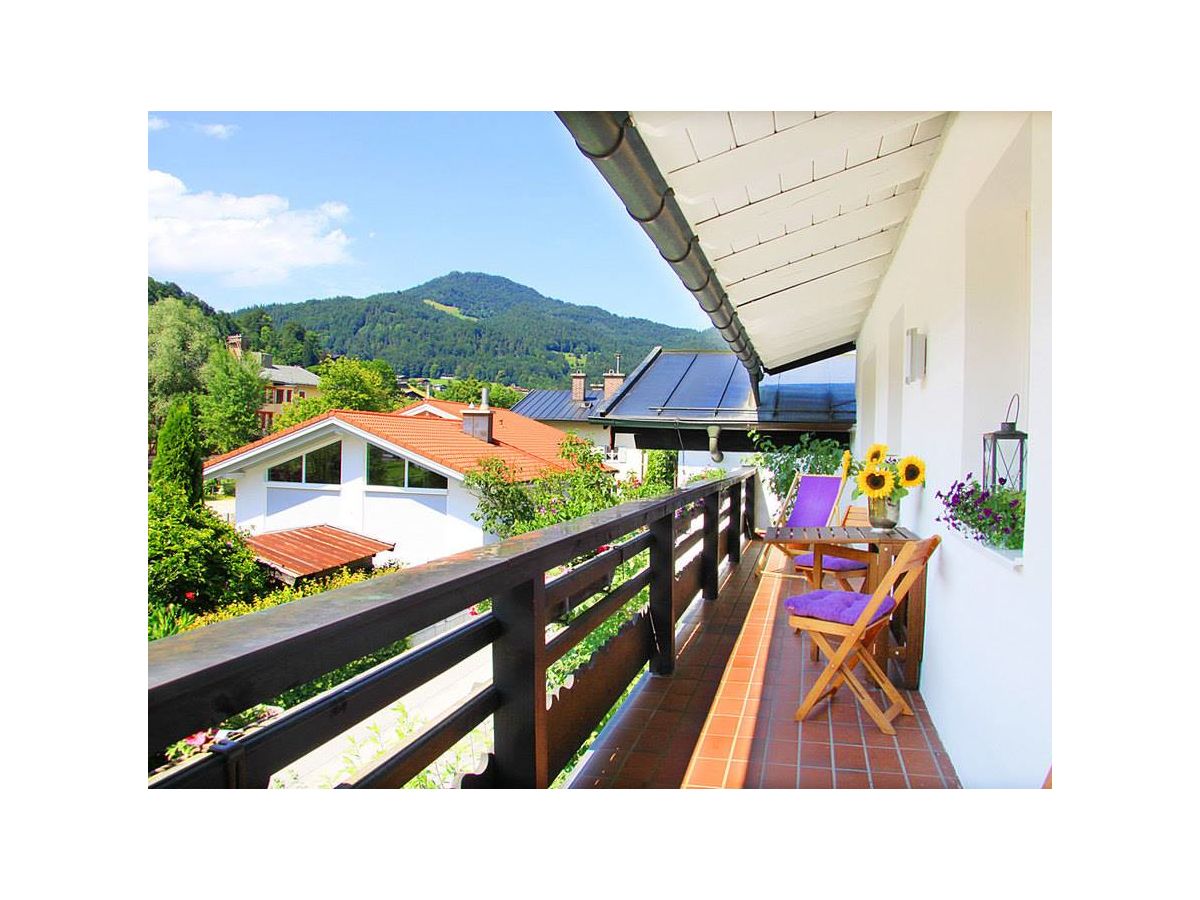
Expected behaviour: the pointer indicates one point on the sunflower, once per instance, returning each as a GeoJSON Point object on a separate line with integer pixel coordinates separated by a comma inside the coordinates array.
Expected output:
{"type": "Point", "coordinates": [876, 454]}
{"type": "Point", "coordinates": [876, 482]}
{"type": "Point", "coordinates": [847, 458]}
{"type": "Point", "coordinates": [912, 471]}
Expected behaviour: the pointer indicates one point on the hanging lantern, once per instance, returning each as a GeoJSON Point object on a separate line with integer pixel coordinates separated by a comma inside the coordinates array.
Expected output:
{"type": "Point", "coordinates": [1004, 452]}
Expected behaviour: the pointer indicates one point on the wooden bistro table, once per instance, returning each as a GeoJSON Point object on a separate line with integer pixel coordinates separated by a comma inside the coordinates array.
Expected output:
{"type": "Point", "coordinates": [903, 640]}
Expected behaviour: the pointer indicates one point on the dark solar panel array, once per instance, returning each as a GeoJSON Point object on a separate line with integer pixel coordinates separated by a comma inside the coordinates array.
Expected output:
{"type": "Point", "coordinates": [715, 387]}
{"type": "Point", "coordinates": [546, 405]}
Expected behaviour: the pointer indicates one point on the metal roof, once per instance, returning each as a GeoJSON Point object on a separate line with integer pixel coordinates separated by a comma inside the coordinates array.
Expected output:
{"type": "Point", "coordinates": [556, 406]}
{"type": "Point", "coordinates": [299, 552]}
{"type": "Point", "coordinates": [674, 387]}
{"type": "Point", "coordinates": [290, 375]}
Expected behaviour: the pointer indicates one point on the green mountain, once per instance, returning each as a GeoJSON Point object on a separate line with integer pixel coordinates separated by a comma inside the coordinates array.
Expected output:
{"type": "Point", "coordinates": [471, 324]}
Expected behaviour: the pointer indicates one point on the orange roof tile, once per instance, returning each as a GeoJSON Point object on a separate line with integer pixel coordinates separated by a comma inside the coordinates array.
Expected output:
{"type": "Point", "coordinates": [528, 446]}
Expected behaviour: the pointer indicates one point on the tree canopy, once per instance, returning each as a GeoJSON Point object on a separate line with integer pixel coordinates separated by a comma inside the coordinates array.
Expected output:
{"type": "Point", "coordinates": [233, 391]}
{"type": "Point", "coordinates": [470, 390]}
{"type": "Point", "coordinates": [346, 383]}
{"type": "Point", "coordinates": [180, 339]}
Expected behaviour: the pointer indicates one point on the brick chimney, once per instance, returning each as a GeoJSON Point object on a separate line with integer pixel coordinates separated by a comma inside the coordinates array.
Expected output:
{"type": "Point", "coordinates": [478, 422]}
{"type": "Point", "coordinates": [233, 344]}
{"type": "Point", "coordinates": [578, 386]}
{"type": "Point", "coordinates": [613, 379]}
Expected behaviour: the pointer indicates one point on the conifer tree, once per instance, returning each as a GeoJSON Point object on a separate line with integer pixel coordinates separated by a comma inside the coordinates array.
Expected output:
{"type": "Point", "coordinates": [179, 456]}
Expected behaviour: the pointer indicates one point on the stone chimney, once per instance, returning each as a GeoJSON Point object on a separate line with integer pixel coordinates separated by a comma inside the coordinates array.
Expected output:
{"type": "Point", "coordinates": [478, 422]}
{"type": "Point", "coordinates": [233, 344]}
{"type": "Point", "coordinates": [613, 379]}
{"type": "Point", "coordinates": [265, 360]}
{"type": "Point", "coordinates": [578, 386]}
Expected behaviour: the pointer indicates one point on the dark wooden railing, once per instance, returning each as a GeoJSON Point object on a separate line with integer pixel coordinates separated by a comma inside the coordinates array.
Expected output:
{"type": "Point", "coordinates": [203, 677]}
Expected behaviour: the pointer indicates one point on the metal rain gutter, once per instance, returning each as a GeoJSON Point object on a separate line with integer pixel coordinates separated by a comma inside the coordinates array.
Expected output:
{"type": "Point", "coordinates": [612, 143]}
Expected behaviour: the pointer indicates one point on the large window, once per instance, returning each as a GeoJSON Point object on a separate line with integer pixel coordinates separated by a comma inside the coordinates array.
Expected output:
{"type": "Point", "coordinates": [321, 466]}
{"type": "Point", "coordinates": [385, 469]}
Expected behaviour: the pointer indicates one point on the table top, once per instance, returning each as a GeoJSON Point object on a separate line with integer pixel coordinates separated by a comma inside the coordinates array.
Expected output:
{"type": "Point", "coordinates": [840, 534]}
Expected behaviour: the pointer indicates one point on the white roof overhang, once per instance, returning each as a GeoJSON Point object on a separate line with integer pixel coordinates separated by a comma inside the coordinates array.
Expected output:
{"type": "Point", "coordinates": [796, 214]}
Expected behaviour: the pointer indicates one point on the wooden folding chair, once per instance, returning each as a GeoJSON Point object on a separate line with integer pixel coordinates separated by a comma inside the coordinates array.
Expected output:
{"type": "Point", "coordinates": [811, 501]}
{"type": "Point", "coordinates": [858, 619]}
{"type": "Point", "coordinates": [842, 562]}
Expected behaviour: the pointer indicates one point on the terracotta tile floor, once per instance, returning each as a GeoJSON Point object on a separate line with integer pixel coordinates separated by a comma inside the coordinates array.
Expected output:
{"type": "Point", "coordinates": [725, 718]}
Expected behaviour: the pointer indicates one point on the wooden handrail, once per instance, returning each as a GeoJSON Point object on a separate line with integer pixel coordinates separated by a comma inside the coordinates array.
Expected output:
{"type": "Point", "coordinates": [199, 678]}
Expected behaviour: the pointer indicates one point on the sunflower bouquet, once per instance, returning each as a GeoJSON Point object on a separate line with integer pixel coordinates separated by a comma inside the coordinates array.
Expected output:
{"type": "Point", "coordinates": [882, 477]}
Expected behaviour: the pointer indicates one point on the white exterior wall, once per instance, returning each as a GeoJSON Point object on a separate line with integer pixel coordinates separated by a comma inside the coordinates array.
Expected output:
{"type": "Point", "coordinates": [629, 460]}
{"type": "Point", "coordinates": [975, 278]}
{"type": "Point", "coordinates": [424, 525]}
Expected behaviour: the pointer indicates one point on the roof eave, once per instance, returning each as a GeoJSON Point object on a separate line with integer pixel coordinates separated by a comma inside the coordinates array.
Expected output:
{"type": "Point", "coordinates": [612, 143]}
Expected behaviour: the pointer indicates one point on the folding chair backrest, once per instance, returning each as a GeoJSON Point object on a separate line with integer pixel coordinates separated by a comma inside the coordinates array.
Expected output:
{"type": "Point", "coordinates": [906, 569]}
{"type": "Point", "coordinates": [816, 501]}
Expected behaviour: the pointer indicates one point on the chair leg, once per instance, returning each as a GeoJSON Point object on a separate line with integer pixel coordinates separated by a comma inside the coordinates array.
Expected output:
{"type": "Point", "coordinates": [836, 658]}
{"type": "Point", "coordinates": [885, 685]}
{"type": "Point", "coordinates": [878, 716]}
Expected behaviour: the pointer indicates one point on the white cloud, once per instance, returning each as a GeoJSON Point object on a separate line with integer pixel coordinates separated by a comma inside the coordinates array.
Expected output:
{"type": "Point", "coordinates": [249, 240]}
{"type": "Point", "coordinates": [220, 132]}
{"type": "Point", "coordinates": [157, 124]}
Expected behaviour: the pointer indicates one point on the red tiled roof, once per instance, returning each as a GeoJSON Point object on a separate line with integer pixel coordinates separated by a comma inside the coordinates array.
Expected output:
{"type": "Point", "coordinates": [306, 551]}
{"type": "Point", "coordinates": [529, 447]}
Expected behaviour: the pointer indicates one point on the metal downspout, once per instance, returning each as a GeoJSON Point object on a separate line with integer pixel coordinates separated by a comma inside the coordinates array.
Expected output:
{"type": "Point", "coordinates": [612, 143]}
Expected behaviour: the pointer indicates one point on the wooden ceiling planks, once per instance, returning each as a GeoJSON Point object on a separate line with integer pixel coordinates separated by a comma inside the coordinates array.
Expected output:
{"type": "Point", "coordinates": [799, 213]}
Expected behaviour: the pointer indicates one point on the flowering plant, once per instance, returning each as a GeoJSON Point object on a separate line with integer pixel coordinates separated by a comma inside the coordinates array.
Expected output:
{"type": "Point", "coordinates": [993, 516]}
{"type": "Point", "coordinates": [880, 476]}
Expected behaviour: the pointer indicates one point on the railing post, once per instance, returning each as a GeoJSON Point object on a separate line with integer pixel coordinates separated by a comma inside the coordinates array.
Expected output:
{"type": "Point", "coordinates": [749, 485]}
{"type": "Point", "coordinates": [662, 583]}
{"type": "Point", "coordinates": [734, 533]}
{"type": "Point", "coordinates": [712, 516]}
{"type": "Point", "coordinates": [519, 674]}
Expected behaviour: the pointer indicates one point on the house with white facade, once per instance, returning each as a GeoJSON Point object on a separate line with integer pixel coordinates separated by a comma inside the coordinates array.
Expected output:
{"type": "Point", "coordinates": [570, 411]}
{"type": "Point", "coordinates": [395, 477]}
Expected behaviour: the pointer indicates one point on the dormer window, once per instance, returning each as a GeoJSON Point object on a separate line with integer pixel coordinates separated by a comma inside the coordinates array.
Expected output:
{"type": "Point", "coordinates": [321, 466]}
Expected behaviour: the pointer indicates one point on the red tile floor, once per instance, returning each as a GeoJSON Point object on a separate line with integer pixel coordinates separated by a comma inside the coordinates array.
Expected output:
{"type": "Point", "coordinates": [726, 717]}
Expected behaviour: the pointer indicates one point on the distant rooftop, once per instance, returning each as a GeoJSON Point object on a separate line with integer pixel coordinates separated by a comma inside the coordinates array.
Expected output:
{"type": "Point", "coordinates": [290, 375]}
{"type": "Point", "coordinates": [557, 405]}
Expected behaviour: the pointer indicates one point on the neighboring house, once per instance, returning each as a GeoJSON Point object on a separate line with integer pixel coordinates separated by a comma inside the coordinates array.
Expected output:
{"type": "Point", "coordinates": [568, 410]}
{"type": "Point", "coordinates": [284, 383]}
{"type": "Point", "coordinates": [394, 477]}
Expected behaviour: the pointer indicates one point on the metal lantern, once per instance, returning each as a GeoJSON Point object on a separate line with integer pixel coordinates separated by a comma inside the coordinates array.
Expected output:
{"type": "Point", "coordinates": [1004, 452]}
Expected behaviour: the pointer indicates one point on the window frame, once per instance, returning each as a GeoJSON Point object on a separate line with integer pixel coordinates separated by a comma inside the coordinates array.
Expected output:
{"type": "Point", "coordinates": [392, 489]}
{"type": "Point", "coordinates": [303, 484]}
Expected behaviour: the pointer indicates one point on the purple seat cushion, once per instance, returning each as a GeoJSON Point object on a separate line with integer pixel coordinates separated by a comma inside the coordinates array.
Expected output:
{"type": "Point", "coordinates": [830, 563]}
{"type": "Point", "coordinates": [836, 606]}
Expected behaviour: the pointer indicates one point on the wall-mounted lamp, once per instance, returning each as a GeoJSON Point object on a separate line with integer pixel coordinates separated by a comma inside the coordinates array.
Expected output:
{"type": "Point", "coordinates": [915, 356]}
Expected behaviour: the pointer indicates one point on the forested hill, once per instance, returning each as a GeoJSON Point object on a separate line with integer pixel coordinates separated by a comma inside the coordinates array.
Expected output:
{"type": "Point", "coordinates": [475, 325]}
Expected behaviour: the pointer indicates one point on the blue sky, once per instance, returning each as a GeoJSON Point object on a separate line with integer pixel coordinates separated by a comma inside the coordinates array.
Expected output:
{"type": "Point", "coordinates": [277, 207]}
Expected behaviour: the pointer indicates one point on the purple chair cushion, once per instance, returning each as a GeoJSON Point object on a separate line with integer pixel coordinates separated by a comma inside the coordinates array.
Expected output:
{"type": "Point", "coordinates": [816, 497]}
{"type": "Point", "coordinates": [830, 563]}
{"type": "Point", "coordinates": [836, 606]}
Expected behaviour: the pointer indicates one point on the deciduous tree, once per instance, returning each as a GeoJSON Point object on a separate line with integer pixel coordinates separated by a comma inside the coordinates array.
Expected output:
{"type": "Point", "coordinates": [229, 406]}
{"type": "Point", "coordinates": [180, 339]}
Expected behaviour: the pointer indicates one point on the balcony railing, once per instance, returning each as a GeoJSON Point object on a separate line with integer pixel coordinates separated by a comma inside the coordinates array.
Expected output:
{"type": "Point", "coordinates": [200, 678]}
